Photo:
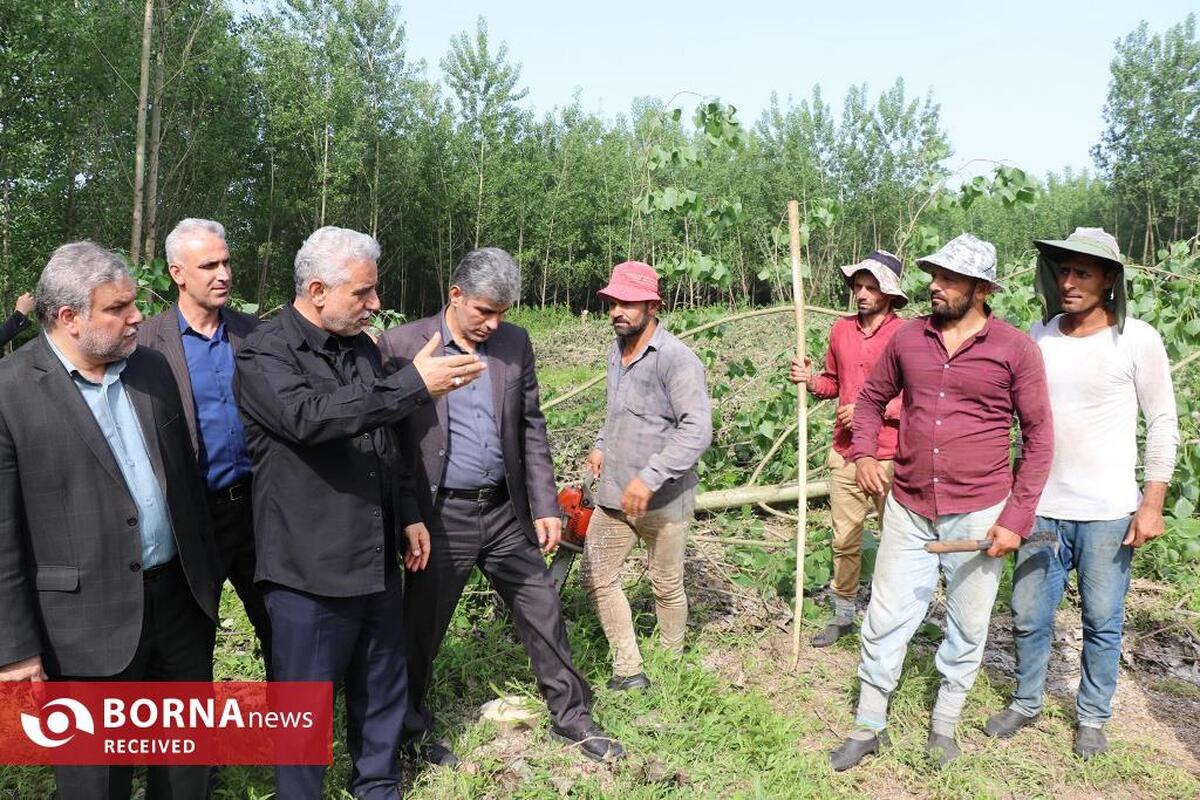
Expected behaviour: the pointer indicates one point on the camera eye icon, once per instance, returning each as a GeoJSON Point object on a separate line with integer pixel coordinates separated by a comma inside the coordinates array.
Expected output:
{"type": "Point", "coordinates": [76, 717]}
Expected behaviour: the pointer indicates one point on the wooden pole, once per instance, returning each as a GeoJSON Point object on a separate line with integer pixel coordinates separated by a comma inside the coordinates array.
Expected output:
{"type": "Point", "coordinates": [802, 423]}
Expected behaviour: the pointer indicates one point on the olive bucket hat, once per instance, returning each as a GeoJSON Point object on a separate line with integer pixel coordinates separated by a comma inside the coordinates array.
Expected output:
{"type": "Point", "coordinates": [1094, 242]}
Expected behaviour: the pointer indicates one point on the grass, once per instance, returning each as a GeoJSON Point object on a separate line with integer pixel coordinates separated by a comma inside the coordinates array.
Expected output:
{"type": "Point", "coordinates": [728, 720]}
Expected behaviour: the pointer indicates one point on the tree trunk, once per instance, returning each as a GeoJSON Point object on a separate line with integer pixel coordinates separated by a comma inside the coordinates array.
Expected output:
{"type": "Point", "coordinates": [375, 195]}
{"type": "Point", "coordinates": [4, 225]}
{"type": "Point", "coordinates": [324, 178]}
{"type": "Point", "coordinates": [265, 267]}
{"type": "Point", "coordinates": [139, 148]}
{"type": "Point", "coordinates": [69, 210]}
{"type": "Point", "coordinates": [156, 135]}
{"type": "Point", "coordinates": [479, 194]}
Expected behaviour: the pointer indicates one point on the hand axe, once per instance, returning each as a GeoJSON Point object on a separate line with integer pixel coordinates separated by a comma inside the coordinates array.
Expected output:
{"type": "Point", "coordinates": [957, 545]}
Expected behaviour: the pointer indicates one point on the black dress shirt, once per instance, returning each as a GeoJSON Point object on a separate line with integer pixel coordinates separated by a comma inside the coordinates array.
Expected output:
{"type": "Point", "coordinates": [330, 488]}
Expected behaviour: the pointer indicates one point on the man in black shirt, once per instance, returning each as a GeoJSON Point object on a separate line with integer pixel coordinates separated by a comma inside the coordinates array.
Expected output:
{"type": "Point", "coordinates": [331, 493]}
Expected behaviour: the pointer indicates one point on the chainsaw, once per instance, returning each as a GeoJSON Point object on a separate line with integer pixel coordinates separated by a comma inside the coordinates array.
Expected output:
{"type": "Point", "coordinates": [576, 507]}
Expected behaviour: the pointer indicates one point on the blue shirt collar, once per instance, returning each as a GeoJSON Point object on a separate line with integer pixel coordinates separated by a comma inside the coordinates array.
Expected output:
{"type": "Point", "coordinates": [184, 327]}
{"type": "Point", "coordinates": [448, 338]}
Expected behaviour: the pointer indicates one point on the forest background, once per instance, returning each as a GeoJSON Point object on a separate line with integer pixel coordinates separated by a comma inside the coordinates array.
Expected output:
{"type": "Point", "coordinates": [119, 118]}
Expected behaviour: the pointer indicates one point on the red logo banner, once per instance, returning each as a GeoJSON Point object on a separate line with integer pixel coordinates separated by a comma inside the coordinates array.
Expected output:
{"type": "Point", "coordinates": [128, 723]}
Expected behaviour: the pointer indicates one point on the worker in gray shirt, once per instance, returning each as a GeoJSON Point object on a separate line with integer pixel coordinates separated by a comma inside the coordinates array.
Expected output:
{"type": "Point", "coordinates": [657, 426]}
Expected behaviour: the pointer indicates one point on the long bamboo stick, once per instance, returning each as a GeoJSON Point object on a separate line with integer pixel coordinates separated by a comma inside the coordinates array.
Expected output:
{"type": "Point", "coordinates": [801, 421]}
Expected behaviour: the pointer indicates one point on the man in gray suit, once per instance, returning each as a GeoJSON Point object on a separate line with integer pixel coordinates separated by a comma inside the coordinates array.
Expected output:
{"type": "Point", "coordinates": [107, 566]}
{"type": "Point", "coordinates": [485, 485]}
{"type": "Point", "coordinates": [199, 336]}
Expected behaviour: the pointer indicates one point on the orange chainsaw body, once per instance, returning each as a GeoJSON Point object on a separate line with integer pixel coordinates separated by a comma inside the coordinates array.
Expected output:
{"type": "Point", "coordinates": [577, 508]}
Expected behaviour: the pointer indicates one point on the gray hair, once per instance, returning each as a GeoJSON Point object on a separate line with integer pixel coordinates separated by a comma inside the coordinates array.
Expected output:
{"type": "Point", "coordinates": [488, 273]}
{"type": "Point", "coordinates": [185, 230]}
{"type": "Point", "coordinates": [71, 275]}
{"type": "Point", "coordinates": [325, 254]}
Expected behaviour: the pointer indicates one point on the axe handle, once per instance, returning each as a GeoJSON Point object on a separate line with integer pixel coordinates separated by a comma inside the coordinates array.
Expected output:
{"type": "Point", "coordinates": [958, 546]}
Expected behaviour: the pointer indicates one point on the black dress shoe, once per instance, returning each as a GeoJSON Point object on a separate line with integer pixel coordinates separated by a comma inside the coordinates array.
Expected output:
{"type": "Point", "coordinates": [593, 742]}
{"type": "Point", "coordinates": [431, 752]}
{"type": "Point", "coordinates": [852, 751]}
{"type": "Point", "coordinates": [832, 632]}
{"type": "Point", "coordinates": [639, 681]}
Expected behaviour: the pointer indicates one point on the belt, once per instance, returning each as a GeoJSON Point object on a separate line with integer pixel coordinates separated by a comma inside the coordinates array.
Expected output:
{"type": "Point", "coordinates": [487, 493]}
{"type": "Point", "coordinates": [161, 569]}
{"type": "Point", "coordinates": [231, 494]}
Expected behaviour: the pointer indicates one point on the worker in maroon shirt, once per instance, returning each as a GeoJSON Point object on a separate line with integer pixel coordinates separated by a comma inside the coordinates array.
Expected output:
{"type": "Point", "coordinates": [965, 375]}
{"type": "Point", "coordinates": [855, 344]}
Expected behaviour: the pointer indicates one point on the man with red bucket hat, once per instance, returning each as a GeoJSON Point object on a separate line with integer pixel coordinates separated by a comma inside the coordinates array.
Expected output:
{"type": "Point", "coordinates": [658, 423]}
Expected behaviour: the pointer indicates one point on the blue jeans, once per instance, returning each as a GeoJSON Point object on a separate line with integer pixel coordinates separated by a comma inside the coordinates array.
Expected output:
{"type": "Point", "coordinates": [1095, 552]}
{"type": "Point", "coordinates": [904, 582]}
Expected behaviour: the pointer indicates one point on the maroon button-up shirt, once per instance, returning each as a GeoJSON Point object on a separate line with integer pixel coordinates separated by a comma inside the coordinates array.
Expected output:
{"type": "Point", "coordinates": [848, 363]}
{"type": "Point", "coordinates": [953, 455]}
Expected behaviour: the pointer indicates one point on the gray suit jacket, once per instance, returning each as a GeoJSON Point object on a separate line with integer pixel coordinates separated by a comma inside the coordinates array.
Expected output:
{"type": "Point", "coordinates": [528, 468]}
{"type": "Point", "coordinates": [161, 333]}
{"type": "Point", "coordinates": [70, 579]}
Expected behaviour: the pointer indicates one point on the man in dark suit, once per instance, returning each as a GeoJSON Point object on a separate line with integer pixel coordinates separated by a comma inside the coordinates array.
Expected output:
{"type": "Point", "coordinates": [331, 496]}
{"type": "Point", "coordinates": [107, 565]}
{"type": "Point", "coordinates": [485, 483]}
{"type": "Point", "coordinates": [199, 336]}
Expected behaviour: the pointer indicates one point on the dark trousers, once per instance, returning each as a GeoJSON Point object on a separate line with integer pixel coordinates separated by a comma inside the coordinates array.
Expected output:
{"type": "Point", "coordinates": [233, 527]}
{"type": "Point", "coordinates": [358, 642]}
{"type": "Point", "coordinates": [176, 645]}
{"type": "Point", "coordinates": [486, 533]}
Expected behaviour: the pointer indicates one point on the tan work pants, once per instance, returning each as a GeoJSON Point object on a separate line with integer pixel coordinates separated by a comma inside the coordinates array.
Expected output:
{"type": "Point", "coordinates": [610, 538]}
{"type": "Point", "coordinates": [849, 506]}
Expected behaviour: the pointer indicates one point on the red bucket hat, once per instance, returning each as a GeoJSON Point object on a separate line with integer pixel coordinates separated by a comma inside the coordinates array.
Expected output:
{"type": "Point", "coordinates": [631, 282]}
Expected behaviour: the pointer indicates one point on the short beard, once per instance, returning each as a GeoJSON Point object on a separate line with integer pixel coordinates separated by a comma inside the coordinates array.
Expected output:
{"type": "Point", "coordinates": [633, 333]}
{"type": "Point", "coordinates": [348, 326]}
{"type": "Point", "coordinates": [952, 311]}
{"type": "Point", "coordinates": [106, 352]}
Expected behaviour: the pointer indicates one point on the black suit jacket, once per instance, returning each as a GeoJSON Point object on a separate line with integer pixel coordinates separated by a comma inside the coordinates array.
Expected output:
{"type": "Point", "coordinates": [528, 468]}
{"type": "Point", "coordinates": [70, 579]}
{"type": "Point", "coordinates": [161, 333]}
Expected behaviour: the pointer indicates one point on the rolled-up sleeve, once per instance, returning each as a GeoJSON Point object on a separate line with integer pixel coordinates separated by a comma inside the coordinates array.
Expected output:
{"type": "Point", "coordinates": [688, 393]}
{"type": "Point", "coordinates": [1031, 401]}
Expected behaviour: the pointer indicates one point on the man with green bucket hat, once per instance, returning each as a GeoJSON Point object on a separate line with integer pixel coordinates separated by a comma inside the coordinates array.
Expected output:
{"type": "Point", "coordinates": [1101, 367]}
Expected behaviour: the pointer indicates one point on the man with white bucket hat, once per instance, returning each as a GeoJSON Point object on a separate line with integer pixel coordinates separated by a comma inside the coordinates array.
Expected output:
{"type": "Point", "coordinates": [964, 375]}
{"type": "Point", "coordinates": [855, 344]}
{"type": "Point", "coordinates": [1102, 367]}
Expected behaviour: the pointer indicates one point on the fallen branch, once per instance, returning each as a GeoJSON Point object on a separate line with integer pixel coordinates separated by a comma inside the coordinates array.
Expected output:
{"type": "Point", "coordinates": [749, 495]}
{"type": "Point", "coordinates": [731, 541]}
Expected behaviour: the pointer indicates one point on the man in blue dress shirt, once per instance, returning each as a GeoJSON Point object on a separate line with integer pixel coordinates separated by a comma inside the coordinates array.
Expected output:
{"type": "Point", "coordinates": [199, 335]}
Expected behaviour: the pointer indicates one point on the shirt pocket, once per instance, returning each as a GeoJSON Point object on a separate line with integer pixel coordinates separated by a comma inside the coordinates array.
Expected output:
{"type": "Point", "coordinates": [645, 399]}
